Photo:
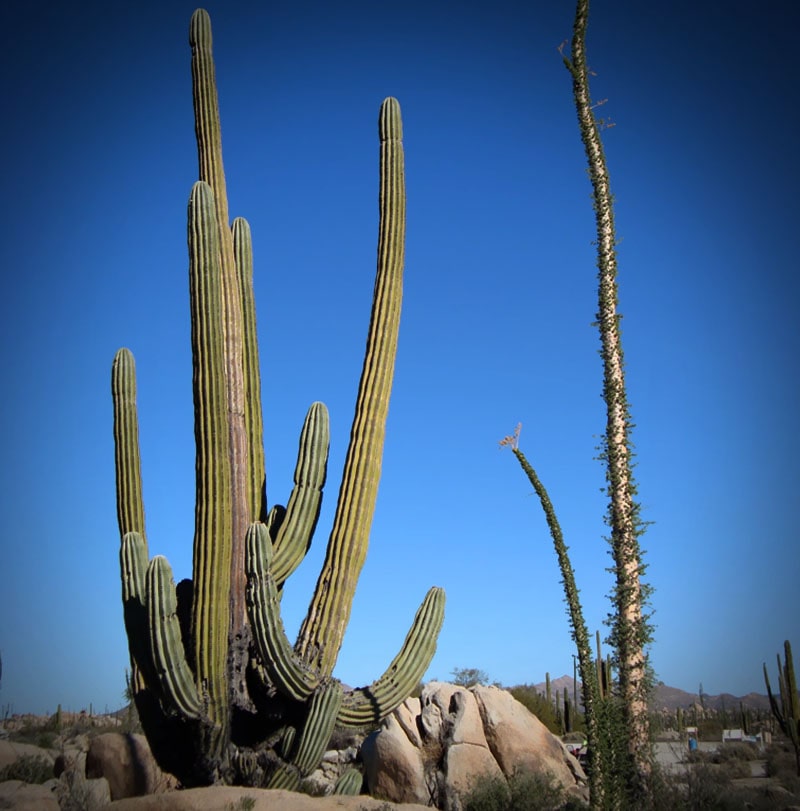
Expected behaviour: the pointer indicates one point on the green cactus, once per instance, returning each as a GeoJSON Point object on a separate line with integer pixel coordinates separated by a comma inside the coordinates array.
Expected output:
{"type": "Point", "coordinates": [787, 713]}
{"type": "Point", "coordinates": [349, 783]}
{"type": "Point", "coordinates": [222, 694]}
{"type": "Point", "coordinates": [568, 710]}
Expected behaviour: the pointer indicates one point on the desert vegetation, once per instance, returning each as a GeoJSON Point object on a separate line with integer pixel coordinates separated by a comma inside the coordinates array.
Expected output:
{"type": "Point", "coordinates": [216, 686]}
{"type": "Point", "coordinates": [786, 706]}
{"type": "Point", "coordinates": [719, 780]}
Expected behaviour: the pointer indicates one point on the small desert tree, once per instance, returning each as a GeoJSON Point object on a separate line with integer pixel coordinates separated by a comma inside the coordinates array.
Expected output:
{"type": "Point", "coordinates": [469, 676]}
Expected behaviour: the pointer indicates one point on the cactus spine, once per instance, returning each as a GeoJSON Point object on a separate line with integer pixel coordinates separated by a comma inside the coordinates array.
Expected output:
{"type": "Point", "coordinates": [787, 713]}
{"type": "Point", "coordinates": [223, 695]}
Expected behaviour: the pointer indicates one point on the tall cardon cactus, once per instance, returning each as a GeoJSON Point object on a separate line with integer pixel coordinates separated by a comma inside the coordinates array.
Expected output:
{"type": "Point", "coordinates": [223, 695]}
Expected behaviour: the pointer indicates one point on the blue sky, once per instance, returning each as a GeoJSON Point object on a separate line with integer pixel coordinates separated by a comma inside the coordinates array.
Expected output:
{"type": "Point", "coordinates": [500, 289]}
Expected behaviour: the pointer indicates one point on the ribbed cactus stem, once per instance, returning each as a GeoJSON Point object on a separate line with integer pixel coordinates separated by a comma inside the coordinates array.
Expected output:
{"type": "Point", "coordinates": [286, 670]}
{"type": "Point", "coordinates": [254, 423]}
{"type": "Point", "coordinates": [323, 629]}
{"type": "Point", "coordinates": [213, 525]}
{"type": "Point", "coordinates": [168, 655]}
{"type": "Point", "coordinates": [130, 508]}
{"type": "Point", "coordinates": [293, 538]}
{"type": "Point", "coordinates": [370, 705]}
{"type": "Point", "coordinates": [130, 505]}
{"type": "Point", "coordinates": [349, 783]}
{"type": "Point", "coordinates": [323, 708]}
{"type": "Point", "coordinates": [209, 151]}
{"type": "Point", "coordinates": [285, 778]}
{"type": "Point", "coordinates": [133, 566]}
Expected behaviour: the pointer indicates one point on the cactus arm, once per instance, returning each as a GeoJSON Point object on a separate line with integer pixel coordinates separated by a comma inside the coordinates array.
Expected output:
{"type": "Point", "coordinates": [275, 517]}
{"type": "Point", "coordinates": [130, 510]}
{"type": "Point", "coordinates": [372, 704]}
{"type": "Point", "coordinates": [792, 703]}
{"type": "Point", "coordinates": [323, 707]}
{"type": "Point", "coordinates": [133, 565]}
{"type": "Point", "coordinates": [284, 777]}
{"type": "Point", "coordinates": [285, 669]}
{"type": "Point", "coordinates": [130, 505]}
{"type": "Point", "coordinates": [293, 538]}
{"type": "Point", "coordinates": [256, 481]}
{"type": "Point", "coordinates": [174, 674]}
{"type": "Point", "coordinates": [349, 783]}
{"type": "Point", "coordinates": [213, 524]}
{"type": "Point", "coordinates": [323, 629]}
{"type": "Point", "coordinates": [773, 703]}
{"type": "Point", "coordinates": [144, 683]}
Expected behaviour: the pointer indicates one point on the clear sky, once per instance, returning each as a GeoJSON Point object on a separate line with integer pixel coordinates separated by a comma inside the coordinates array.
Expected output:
{"type": "Point", "coordinates": [500, 293]}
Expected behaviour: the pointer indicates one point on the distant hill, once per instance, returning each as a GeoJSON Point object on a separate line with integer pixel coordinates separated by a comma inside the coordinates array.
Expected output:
{"type": "Point", "coordinates": [672, 698]}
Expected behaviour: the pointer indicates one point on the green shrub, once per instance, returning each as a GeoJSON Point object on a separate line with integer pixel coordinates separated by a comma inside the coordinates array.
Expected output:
{"type": "Point", "coordinates": [736, 751]}
{"type": "Point", "coordinates": [47, 739]}
{"type": "Point", "coordinates": [780, 760]}
{"type": "Point", "coordinates": [29, 769]}
{"type": "Point", "coordinates": [524, 791]}
{"type": "Point", "coordinates": [709, 786]}
{"type": "Point", "coordinates": [488, 794]}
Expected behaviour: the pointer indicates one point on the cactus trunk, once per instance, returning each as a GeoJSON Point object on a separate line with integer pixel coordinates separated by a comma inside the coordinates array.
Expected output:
{"type": "Point", "coordinates": [211, 170]}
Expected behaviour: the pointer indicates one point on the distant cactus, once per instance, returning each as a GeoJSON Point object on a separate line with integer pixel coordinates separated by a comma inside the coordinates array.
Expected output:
{"type": "Point", "coordinates": [568, 712]}
{"type": "Point", "coordinates": [787, 713]}
{"type": "Point", "coordinates": [222, 695]}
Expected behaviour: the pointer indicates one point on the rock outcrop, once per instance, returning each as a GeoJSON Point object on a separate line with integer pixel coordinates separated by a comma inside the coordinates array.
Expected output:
{"type": "Point", "coordinates": [126, 762]}
{"type": "Point", "coordinates": [433, 749]}
{"type": "Point", "coordinates": [18, 796]}
{"type": "Point", "coordinates": [11, 751]}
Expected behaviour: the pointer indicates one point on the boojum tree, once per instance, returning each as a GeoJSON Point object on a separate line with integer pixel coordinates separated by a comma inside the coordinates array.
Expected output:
{"type": "Point", "coordinates": [627, 771]}
{"type": "Point", "coordinates": [223, 695]}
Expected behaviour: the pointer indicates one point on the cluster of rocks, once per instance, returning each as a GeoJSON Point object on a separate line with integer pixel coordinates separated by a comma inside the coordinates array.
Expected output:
{"type": "Point", "coordinates": [428, 753]}
{"type": "Point", "coordinates": [434, 748]}
{"type": "Point", "coordinates": [88, 773]}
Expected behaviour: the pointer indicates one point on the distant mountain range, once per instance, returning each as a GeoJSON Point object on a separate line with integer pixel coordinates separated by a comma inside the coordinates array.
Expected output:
{"type": "Point", "coordinates": [672, 698]}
